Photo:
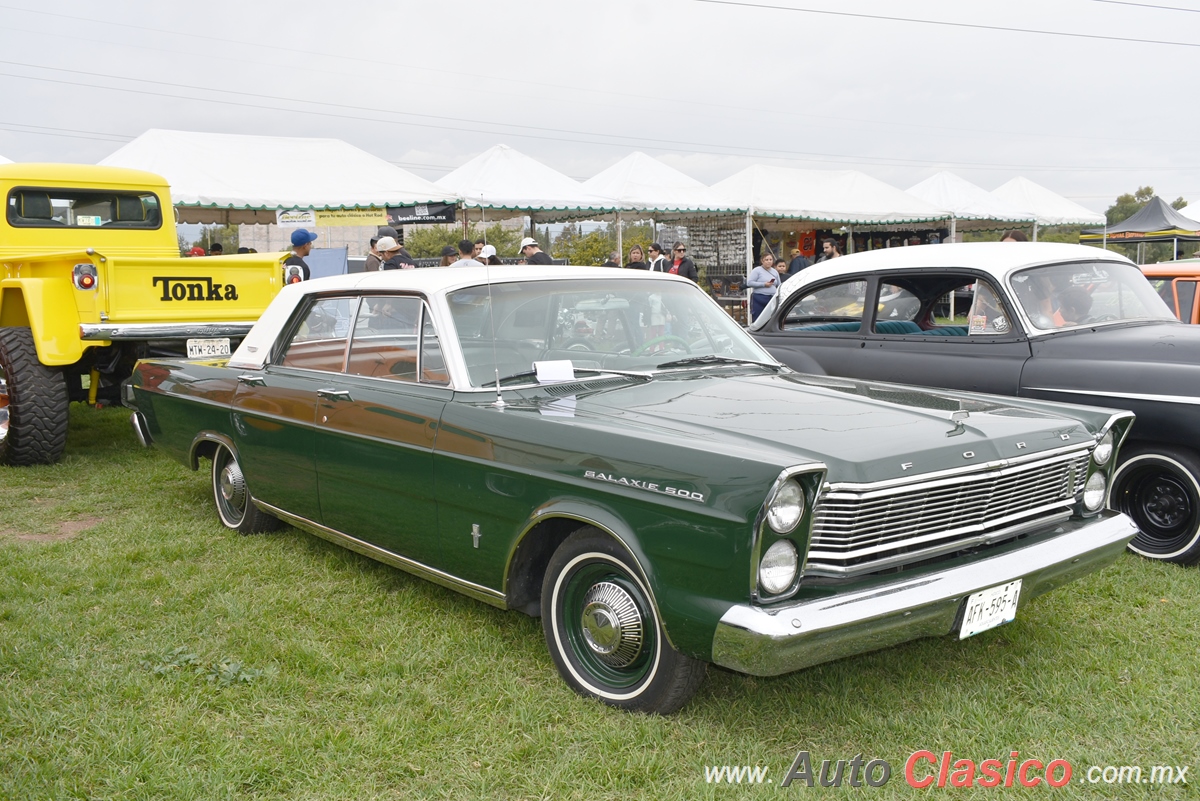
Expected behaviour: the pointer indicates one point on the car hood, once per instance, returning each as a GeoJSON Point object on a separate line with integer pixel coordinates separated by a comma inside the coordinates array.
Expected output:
{"type": "Point", "coordinates": [1159, 342]}
{"type": "Point", "coordinates": [863, 431]}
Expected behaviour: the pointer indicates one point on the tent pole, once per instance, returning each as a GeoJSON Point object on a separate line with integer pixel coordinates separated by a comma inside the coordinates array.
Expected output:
{"type": "Point", "coordinates": [1035, 230]}
{"type": "Point", "coordinates": [620, 238]}
{"type": "Point", "coordinates": [953, 230]}
{"type": "Point", "coordinates": [849, 239]}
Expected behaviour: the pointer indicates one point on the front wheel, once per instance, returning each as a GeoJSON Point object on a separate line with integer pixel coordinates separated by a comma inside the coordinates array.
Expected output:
{"type": "Point", "coordinates": [33, 403]}
{"type": "Point", "coordinates": [603, 632]}
{"type": "Point", "coordinates": [1159, 487]}
{"type": "Point", "coordinates": [232, 497]}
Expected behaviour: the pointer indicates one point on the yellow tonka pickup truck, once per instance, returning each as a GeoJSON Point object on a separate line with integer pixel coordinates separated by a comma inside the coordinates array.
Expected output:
{"type": "Point", "coordinates": [91, 280]}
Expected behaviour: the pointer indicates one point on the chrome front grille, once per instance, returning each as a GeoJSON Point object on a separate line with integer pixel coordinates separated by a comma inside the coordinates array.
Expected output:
{"type": "Point", "coordinates": [861, 528]}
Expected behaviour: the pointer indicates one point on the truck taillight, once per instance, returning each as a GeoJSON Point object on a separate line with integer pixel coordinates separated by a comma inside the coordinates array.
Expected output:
{"type": "Point", "coordinates": [293, 275]}
{"type": "Point", "coordinates": [85, 276]}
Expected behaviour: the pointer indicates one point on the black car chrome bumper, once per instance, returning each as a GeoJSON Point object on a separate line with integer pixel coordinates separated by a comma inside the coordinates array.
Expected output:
{"type": "Point", "coordinates": [770, 641]}
{"type": "Point", "coordinates": [140, 331]}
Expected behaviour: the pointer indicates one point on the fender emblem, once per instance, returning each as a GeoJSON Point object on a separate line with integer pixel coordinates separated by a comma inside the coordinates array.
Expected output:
{"type": "Point", "coordinates": [905, 465]}
{"type": "Point", "coordinates": [1021, 446]}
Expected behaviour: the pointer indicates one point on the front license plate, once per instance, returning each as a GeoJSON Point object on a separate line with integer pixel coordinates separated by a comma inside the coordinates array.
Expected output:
{"type": "Point", "coordinates": [989, 608]}
{"type": "Point", "coordinates": [207, 348]}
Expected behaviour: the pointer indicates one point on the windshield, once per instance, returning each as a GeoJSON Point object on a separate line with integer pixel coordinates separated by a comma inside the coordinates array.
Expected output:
{"type": "Point", "coordinates": [1067, 295]}
{"type": "Point", "coordinates": [604, 324]}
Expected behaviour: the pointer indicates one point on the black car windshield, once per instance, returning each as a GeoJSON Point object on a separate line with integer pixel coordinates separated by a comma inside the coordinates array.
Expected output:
{"type": "Point", "coordinates": [596, 324]}
{"type": "Point", "coordinates": [1068, 295]}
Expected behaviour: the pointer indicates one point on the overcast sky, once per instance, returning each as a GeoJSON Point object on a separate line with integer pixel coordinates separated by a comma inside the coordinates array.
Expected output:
{"type": "Point", "coordinates": [707, 86]}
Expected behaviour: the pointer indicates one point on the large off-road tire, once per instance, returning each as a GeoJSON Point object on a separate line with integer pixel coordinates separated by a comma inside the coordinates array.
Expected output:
{"type": "Point", "coordinates": [33, 403]}
{"type": "Point", "coordinates": [1159, 487]}
{"type": "Point", "coordinates": [603, 631]}
{"type": "Point", "coordinates": [232, 497]}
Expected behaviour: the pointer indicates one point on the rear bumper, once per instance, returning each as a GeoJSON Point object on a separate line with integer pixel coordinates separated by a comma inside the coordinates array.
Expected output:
{"type": "Point", "coordinates": [145, 331]}
{"type": "Point", "coordinates": [770, 641]}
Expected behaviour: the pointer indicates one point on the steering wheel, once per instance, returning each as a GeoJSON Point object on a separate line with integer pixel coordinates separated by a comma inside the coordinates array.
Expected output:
{"type": "Point", "coordinates": [665, 340]}
{"type": "Point", "coordinates": [578, 344]}
{"type": "Point", "coordinates": [1104, 318]}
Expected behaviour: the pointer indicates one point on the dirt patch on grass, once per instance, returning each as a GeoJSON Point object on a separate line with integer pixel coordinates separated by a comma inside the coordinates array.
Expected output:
{"type": "Point", "coordinates": [66, 530]}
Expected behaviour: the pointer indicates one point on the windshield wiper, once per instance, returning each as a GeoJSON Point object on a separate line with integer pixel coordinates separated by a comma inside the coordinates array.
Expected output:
{"type": "Point", "coordinates": [589, 371]}
{"type": "Point", "coordinates": [694, 360]}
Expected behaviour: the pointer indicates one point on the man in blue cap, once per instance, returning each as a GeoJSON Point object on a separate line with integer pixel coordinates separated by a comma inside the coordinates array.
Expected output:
{"type": "Point", "coordinates": [301, 246]}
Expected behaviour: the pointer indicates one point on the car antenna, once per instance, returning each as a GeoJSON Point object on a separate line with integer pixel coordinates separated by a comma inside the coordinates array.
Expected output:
{"type": "Point", "coordinates": [487, 269]}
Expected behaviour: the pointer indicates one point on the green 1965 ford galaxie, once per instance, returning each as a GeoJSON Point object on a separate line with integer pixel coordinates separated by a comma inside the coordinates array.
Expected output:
{"type": "Point", "coordinates": [610, 451]}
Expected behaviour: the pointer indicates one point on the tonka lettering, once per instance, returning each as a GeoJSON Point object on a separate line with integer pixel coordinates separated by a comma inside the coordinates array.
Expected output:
{"type": "Point", "coordinates": [191, 288]}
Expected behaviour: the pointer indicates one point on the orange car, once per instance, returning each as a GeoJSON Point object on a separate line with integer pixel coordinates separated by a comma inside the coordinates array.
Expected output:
{"type": "Point", "coordinates": [1175, 282]}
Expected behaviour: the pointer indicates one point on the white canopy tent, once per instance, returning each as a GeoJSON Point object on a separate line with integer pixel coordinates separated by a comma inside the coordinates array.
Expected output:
{"type": "Point", "coordinates": [1047, 207]}
{"type": "Point", "coordinates": [5, 161]}
{"type": "Point", "coordinates": [233, 178]}
{"type": "Point", "coordinates": [847, 197]}
{"type": "Point", "coordinates": [971, 207]}
{"type": "Point", "coordinates": [844, 197]}
{"type": "Point", "coordinates": [646, 186]}
{"type": "Point", "coordinates": [642, 183]}
{"type": "Point", "coordinates": [503, 182]}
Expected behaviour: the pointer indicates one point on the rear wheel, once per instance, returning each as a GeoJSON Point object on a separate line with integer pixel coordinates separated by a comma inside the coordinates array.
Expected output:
{"type": "Point", "coordinates": [603, 632]}
{"type": "Point", "coordinates": [232, 497]}
{"type": "Point", "coordinates": [33, 403]}
{"type": "Point", "coordinates": [1159, 487]}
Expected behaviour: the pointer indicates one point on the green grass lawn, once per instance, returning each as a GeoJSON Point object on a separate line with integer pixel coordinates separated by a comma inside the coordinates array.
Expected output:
{"type": "Point", "coordinates": [147, 653]}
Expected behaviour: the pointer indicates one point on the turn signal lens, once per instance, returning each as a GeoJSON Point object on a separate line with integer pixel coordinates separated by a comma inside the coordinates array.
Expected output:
{"type": "Point", "coordinates": [1094, 491]}
{"type": "Point", "coordinates": [1104, 450]}
{"type": "Point", "coordinates": [84, 276]}
{"type": "Point", "coordinates": [786, 508]}
{"type": "Point", "coordinates": [777, 570]}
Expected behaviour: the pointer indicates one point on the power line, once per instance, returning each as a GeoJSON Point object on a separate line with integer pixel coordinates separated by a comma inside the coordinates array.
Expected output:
{"type": "Point", "coordinates": [612, 140]}
{"type": "Point", "coordinates": [1148, 5]}
{"type": "Point", "coordinates": [947, 23]}
{"type": "Point", "coordinates": [43, 130]}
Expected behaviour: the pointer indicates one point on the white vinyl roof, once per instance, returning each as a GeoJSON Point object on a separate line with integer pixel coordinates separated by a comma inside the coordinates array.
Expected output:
{"type": "Point", "coordinates": [234, 171]}
{"type": "Point", "coordinates": [833, 196]}
{"type": "Point", "coordinates": [1049, 208]}
{"type": "Point", "coordinates": [642, 183]}
{"type": "Point", "coordinates": [966, 201]}
{"type": "Point", "coordinates": [505, 179]}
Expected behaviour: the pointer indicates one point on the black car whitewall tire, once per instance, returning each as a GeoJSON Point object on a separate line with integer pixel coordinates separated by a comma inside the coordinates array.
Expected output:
{"type": "Point", "coordinates": [1159, 487]}
{"type": "Point", "coordinates": [603, 631]}
{"type": "Point", "coordinates": [33, 403]}
{"type": "Point", "coordinates": [232, 496]}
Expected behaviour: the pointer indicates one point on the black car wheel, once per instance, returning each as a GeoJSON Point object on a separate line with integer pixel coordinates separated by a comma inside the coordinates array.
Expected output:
{"type": "Point", "coordinates": [232, 496]}
{"type": "Point", "coordinates": [603, 632]}
{"type": "Point", "coordinates": [1160, 489]}
{"type": "Point", "coordinates": [33, 403]}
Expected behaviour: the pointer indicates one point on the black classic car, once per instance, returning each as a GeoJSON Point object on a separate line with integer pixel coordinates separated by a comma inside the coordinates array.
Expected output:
{"type": "Point", "coordinates": [1058, 322]}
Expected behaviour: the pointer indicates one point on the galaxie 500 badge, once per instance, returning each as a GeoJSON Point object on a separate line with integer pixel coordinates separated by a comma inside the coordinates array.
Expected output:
{"type": "Point", "coordinates": [645, 485]}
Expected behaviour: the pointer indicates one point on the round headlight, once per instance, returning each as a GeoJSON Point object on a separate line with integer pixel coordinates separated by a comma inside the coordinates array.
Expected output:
{"type": "Point", "coordinates": [786, 508]}
{"type": "Point", "coordinates": [1094, 491]}
{"type": "Point", "coordinates": [1104, 450]}
{"type": "Point", "coordinates": [777, 570]}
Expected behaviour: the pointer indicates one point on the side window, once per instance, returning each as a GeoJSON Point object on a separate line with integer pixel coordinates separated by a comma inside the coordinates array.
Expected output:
{"type": "Point", "coordinates": [831, 308]}
{"type": "Point", "coordinates": [1187, 298]}
{"type": "Point", "coordinates": [433, 366]}
{"type": "Point", "coordinates": [897, 312]}
{"type": "Point", "coordinates": [385, 338]}
{"type": "Point", "coordinates": [319, 342]}
{"type": "Point", "coordinates": [987, 316]}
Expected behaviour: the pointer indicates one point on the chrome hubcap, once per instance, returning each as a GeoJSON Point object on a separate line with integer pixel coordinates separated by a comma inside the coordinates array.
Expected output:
{"type": "Point", "coordinates": [233, 485]}
{"type": "Point", "coordinates": [612, 624]}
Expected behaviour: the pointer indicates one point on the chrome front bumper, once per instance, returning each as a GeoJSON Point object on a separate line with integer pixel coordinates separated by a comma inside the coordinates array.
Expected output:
{"type": "Point", "coordinates": [770, 641]}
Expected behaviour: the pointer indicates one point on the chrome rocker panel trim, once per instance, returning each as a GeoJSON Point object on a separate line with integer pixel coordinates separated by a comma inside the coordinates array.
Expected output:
{"type": "Point", "coordinates": [764, 641]}
{"type": "Point", "coordinates": [476, 591]}
{"type": "Point", "coordinates": [138, 331]}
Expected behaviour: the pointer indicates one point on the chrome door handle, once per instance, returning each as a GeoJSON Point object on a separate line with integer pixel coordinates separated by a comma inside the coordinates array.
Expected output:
{"type": "Point", "coordinates": [252, 380]}
{"type": "Point", "coordinates": [333, 394]}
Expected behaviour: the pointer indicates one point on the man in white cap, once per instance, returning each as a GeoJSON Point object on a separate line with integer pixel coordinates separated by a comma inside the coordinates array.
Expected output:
{"type": "Point", "coordinates": [532, 253]}
{"type": "Point", "coordinates": [391, 254]}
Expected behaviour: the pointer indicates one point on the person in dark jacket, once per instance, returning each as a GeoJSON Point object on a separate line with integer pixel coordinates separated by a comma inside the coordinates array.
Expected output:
{"type": "Point", "coordinates": [681, 264]}
{"type": "Point", "coordinates": [637, 260]}
{"type": "Point", "coordinates": [302, 242]}
{"type": "Point", "coordinates": [533, 254]}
